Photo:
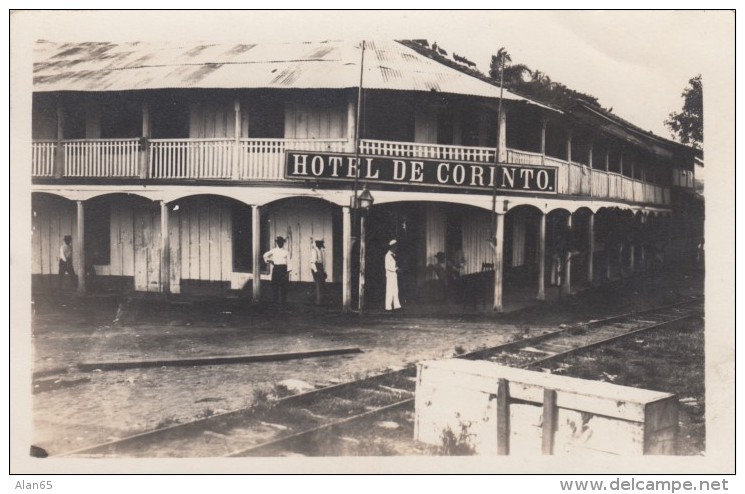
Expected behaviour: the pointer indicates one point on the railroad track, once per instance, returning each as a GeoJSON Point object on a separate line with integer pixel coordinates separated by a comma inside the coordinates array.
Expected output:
{"type": "Point", "coordinates": [288, 425]}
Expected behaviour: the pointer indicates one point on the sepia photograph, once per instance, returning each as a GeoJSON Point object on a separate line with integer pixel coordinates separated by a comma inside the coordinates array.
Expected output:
{"type": "Point", "coordinates": [387, 241]}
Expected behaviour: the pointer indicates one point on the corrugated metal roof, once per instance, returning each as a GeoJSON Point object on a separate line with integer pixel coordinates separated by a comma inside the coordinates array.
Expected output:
{"type": "Point", "coordinates": [99, 66]}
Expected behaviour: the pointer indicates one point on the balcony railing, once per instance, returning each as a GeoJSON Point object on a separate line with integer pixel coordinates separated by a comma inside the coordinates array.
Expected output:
{"type": "Point", "coordinates": [263, 160]}
{"type": "Point", "coordinates": [42, 158]}
{"type": "Point", "coordinates": [101, 158]}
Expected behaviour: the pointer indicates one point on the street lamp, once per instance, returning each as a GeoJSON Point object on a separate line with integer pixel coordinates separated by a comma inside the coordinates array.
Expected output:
{"type": "Point", "coordinates": [363, 202]}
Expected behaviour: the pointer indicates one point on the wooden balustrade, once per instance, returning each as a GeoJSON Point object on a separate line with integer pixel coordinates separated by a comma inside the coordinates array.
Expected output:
{"type": "Point", "coordinates": [42, 158]}
{"type": "Point", "coordinates": [430, 151]}
{"type": "Point", "coordinates": [191, 158]}
{"type": "Point", "coordinates": [524, 157]}
{"type": "Point", "coordinates": [101, 158]}
{"type": "Point", "coordinates": [263, 159]}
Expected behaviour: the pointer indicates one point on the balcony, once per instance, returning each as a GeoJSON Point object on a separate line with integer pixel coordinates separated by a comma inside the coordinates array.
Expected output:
{"type": "Point", "coordinates": [263, 160]}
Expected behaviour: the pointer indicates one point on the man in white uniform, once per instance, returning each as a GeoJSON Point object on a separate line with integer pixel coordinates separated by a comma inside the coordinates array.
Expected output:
{"type": "Point", "coordinates": [391, 277]}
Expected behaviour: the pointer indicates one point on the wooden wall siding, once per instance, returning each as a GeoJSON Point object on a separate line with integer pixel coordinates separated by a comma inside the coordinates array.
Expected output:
{"type": "Point", "coordinates": [50, 222]}
{"type": "Point", "coordinates": [93, 121]}
{"type": "Point", "coordinates": [425, 124]}
{"type": "Point", "coordinates": [204, 239]}
{"type": "Point", "coordinates": [215, 121]}
{"type": "Point", "coordinates": [147, 248]}
{"type": "Point", "coordinates": [315, 121]}
{"type": "Point", "coordinates": [518, 239]}
{"type": "Point", "coordinates": [435, 235]}
{"type": "Point", "coordinates": [44, 123]}
{"type": "Point", "coordinates": [121, 261]}
{"type": "Point", "coordinates": [476, 246]}
{"type": "Point", "coordinates": [301, 225]}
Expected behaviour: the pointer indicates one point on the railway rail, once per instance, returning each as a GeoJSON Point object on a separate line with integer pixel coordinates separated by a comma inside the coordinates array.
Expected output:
{"type": "Point", "coordinates": [287, 426]}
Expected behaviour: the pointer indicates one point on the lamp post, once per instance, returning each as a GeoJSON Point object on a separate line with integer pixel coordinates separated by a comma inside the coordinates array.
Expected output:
{"type": "Point", "coordinates": [362, 202]}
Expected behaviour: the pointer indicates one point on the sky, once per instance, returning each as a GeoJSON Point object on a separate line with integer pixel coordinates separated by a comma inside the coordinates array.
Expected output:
{"type": "Point", "coordinates": [636, 63]}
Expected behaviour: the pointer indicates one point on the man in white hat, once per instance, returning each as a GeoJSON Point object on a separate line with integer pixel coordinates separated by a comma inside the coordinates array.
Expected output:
{"type": "Point", "coordinates": [391, 277]}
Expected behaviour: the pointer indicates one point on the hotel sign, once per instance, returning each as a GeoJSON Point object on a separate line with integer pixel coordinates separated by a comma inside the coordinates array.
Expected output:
{"type": "Point", "coordinates": [321, 167]}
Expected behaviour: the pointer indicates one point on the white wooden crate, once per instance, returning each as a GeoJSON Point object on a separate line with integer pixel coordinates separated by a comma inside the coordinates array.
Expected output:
{"type": "Point", "coordinates": [589, 417]}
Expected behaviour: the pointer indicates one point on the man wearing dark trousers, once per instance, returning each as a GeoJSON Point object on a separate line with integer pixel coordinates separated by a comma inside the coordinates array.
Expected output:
{"type": "Point", "coordinates": [279, 257]}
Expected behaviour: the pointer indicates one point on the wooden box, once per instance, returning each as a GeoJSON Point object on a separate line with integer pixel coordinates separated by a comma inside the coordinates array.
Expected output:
{"type": "Point", "coordinates": [484, 408]}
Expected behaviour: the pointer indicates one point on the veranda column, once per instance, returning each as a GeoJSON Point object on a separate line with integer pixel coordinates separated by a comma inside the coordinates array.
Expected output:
{"type": "Point", "coordinates": [541, 257]}
{"type": "Point", "coordinates": [498, 258]}
{"type": "Point", "coordinates": [589, 166]}
{"type": "Point", "coordinates": [235, 170]}
{"type": "Point", "coordinates": [144, 149]}
{"type": "Point", "coordinates": [255, 253]}
{"type": "Point", "coordinates": [59, 152]}
{"type": "Point", "coordinates": [79, 251]}
{"type": "Point", "coordinates": [351, 123]}
{"type": "Point", "coordinates": [567, 288]}
{"type": "Point", "coordinates": [544, 123]}
{"type": "Point", "coordinates": [165, 253]}
{"type": "Point", "coordinates": [347, 271]}
{"type": "Point", "coordinates": [503, 136]}
{"type": "Point", "coordinates": [642, 247]}
{"type": "Point", "coordinates": [632, 247]}
{"type": "Point", "coordinates": [590, 246]}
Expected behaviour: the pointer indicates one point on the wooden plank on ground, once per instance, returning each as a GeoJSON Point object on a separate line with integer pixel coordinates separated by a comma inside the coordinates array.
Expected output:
{"type": "Point", "coordinates": [216, 360]}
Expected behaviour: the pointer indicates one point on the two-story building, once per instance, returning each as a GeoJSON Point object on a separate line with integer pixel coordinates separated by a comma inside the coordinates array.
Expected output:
{"type": "Point", "coordinates": [175, 166]}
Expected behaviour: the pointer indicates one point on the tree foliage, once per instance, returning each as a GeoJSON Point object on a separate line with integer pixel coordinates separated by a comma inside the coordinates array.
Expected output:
{"type": "Point", "coordinates": [688, 124]}
{"type": "Point", "coordinates": [534, 83]}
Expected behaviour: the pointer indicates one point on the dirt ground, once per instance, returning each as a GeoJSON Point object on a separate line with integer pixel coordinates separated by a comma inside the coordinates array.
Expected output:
{"type": "Point", "coordinates": [73, 409]}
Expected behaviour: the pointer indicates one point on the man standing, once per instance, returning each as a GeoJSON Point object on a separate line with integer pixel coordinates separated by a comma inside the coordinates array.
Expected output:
{"type": "Point", "coordinates": [279, 258]}
{"type": "Point", "coordinates": [391, 277]}
{"type": "Point", "coordinates": [318, 267]}
{"type": "Point", "coordinates": [65, 260]}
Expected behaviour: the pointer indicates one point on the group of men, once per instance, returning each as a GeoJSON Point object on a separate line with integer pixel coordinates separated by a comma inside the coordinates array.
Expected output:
{"type": "Point", "coordinates": [279, 258]}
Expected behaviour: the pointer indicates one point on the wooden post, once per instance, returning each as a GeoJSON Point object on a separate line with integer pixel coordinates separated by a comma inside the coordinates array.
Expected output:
{"type": "Point", "coordinates": [59, 151]}
{"type": "Point", "coordinates": [347, 271]}
{"type": "Point", "coordinates": [632, 250]}
{"type": "Point", "coordinates": [144, 150]}
{"type": "Point", "coordinates": [255, 253]}
{"type": "Point", "coordinates": [362, 262]}
{"type": "Point", "coordinates": [542, 257]}
{"type": "Point", "coordinates": [567, 288]}
{"type": "Point", "coordinates": [498, 255]}
{"type": "Point", "coordinates": [351, 124]}
{"type": "Point", "coordinates": [607, 170]}
{"type": "Point", "coordinates": [544, 123]}
{"type": "Point", "coordinates": [550, 421]}
{"type": "Point", "coordinates": [503, 417]}
{"type": "Point", "coordinates": [236, 170]}
{"type": "Point", "coordinates": [503, 136]}
{"type": "Point", "coordinates": [590, 247]}
{"type": "Point", "coordinates": [165, 250]}
{"type": "Point", "coordinates": [80, 247]}
{"type": "Point", "coordinates": [589, 165]}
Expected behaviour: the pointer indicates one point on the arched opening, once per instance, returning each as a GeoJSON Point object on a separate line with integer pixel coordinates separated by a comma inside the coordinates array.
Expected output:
{"type": "Point", "coordinates": [210, 244]}
{"type": "Point", "coordinates": [522, 252]}
{"type": "Point", "coordinates": [52, 217]}
{"type": "Point", "coordinates": [122, 243]}
{"type": "Point", "coordinates": [301, 221]}
{"type": "Point", "coordinates": [443, 249]}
